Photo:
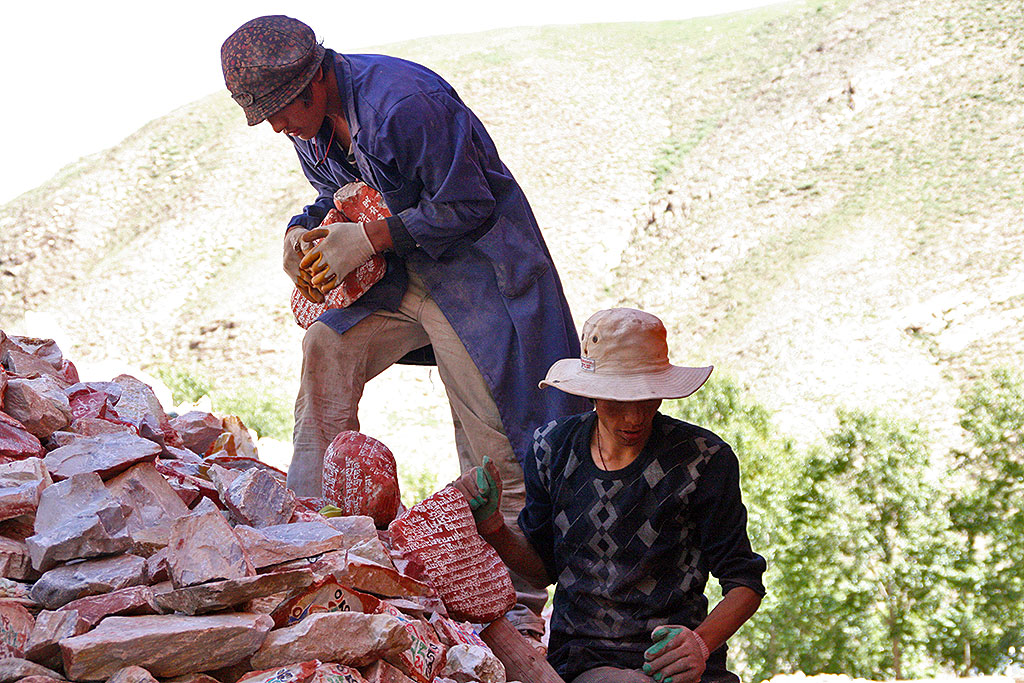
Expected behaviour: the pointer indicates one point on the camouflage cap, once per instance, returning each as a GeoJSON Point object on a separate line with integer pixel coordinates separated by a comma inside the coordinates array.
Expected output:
{"type": "Point", "coordinates": [267, 62]}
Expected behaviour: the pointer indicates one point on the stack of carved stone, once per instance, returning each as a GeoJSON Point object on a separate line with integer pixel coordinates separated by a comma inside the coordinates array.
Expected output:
{"type": "Point", "coordinates": [137, 547]}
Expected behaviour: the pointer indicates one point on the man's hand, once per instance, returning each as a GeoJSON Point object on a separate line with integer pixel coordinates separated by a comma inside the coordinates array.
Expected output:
{"type": "Point", "coordinates": [343, 247]}
{"type": "Point", "coordinates": [678, 655]}
{"type": "Point", "coordinates": [293, 252]}
{"type": "Point", "coordinates": [482, 488]}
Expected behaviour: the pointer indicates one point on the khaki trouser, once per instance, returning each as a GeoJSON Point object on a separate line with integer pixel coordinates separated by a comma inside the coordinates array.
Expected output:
{"type": "Point", "coordinates": [335, 367]}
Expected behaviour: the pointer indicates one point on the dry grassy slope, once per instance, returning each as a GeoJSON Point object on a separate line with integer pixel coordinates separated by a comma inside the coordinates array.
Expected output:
{"type": "Point", "coordinates": [165, 249]}
{"type": "Point", "coordinates": [850, 235]}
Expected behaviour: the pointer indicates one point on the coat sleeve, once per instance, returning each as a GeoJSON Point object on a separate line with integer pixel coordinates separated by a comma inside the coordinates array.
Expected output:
{"type": "Point", "coordinates": [432, 140]}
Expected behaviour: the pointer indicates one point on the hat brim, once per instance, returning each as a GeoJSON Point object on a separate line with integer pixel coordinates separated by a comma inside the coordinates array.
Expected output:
{"type": "Point", "coordinates": [673, 382]}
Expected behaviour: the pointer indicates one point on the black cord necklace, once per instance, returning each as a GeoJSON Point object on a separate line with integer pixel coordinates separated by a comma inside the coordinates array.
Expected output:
{"type": "Point", "coordinates": [600, 453]}
{"type": "Point", "coordinates": [327, 149]}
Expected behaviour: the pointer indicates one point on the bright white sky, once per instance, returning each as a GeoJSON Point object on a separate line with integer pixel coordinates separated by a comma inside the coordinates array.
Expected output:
{"type": "Point", "coordinates": [78, 77]}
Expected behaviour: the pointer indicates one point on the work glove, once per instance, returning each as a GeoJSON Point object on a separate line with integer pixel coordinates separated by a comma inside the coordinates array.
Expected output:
{"type": "Point", "coordinates": [342, 248]}
{"type": "Point", "coordinates": [293, 252]}
{"type": "Point", "coordinates": [678, 655]}
{"type": "Point", "coordinates": [482, 488]}
{"type": "Point", "coordinates": [305, 287]}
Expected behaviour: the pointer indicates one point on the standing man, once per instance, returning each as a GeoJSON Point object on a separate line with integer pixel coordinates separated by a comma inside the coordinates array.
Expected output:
{"type": "Point", "coordinates": [469, 281]}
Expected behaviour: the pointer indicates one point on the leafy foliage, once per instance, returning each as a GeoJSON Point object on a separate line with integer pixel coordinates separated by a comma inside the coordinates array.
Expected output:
{"type": "Point", "coordinates": [986, 630]}
{"type": "Point", "coordinates": [769, 464]}
{"type": "Point", "coordinates": [864, 559]}
{"type": "Point", "coordinates": [416, 482]}
{"type": "Point", "coordinates": [875, 570]}
{"type": "Point", "coordinates": [185, 386]}
{"type": "Point", "coordinates": [260, 409]}
{"type": "Point", "coordinates": [259, 406]}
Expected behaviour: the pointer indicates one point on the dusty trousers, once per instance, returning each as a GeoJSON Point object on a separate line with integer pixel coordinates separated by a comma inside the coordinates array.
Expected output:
{"type": "Point", "coordinates": [335, 368]}
{"type": "Point", "coordinates": [611, 674]}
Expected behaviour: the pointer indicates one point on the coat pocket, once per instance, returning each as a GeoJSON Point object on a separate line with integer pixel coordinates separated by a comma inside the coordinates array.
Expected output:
{"type": "Point", "coordinates": [516, 256]}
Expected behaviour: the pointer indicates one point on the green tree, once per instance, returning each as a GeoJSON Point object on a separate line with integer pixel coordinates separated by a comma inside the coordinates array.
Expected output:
{"type": "Point", "coordinates": [864, 568]}
{"type": "Point", "coordinates": [985, 633]}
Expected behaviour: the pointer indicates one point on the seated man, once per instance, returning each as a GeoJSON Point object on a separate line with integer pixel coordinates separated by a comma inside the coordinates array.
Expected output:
{"type": "Point", "coordinates": [627, 512]}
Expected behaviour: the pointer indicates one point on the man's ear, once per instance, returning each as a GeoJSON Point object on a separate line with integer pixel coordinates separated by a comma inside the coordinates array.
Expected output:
{"type": "Point", "coordinates": [307, 95]}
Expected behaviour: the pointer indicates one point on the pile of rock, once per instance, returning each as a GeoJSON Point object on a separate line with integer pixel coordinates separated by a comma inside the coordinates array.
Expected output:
{"type": "Point", "coordinates": [134, 546]}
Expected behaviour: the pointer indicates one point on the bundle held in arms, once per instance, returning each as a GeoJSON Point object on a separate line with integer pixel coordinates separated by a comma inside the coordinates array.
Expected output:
{"type": "Point", "coordinates": [357, 203]}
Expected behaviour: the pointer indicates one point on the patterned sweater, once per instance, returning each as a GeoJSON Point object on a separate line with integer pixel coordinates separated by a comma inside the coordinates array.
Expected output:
{"type": "Point", "coordinates": [631, 549]}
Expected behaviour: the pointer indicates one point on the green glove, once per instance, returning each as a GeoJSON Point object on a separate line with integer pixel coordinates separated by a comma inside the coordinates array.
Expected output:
{"type": "Point", "coordinates": [662, 636]}
{"type": "Point", "coordinates": [482, 488]}
{"type": "Point", "coordinates": [490, 495]}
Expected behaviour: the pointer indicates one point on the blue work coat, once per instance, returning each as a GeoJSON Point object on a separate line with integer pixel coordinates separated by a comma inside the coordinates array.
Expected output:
{"type": "Point", "coordinates": [461, 222]}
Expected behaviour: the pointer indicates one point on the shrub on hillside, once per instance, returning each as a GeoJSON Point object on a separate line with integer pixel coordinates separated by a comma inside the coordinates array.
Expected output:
{"type": "Point", "coordinates": [261, 410]}
{"type": "Point", "coordinates": [985, 632]}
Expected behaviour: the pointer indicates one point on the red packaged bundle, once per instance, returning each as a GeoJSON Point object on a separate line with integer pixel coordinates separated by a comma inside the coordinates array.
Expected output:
{"type": "Point", "coordinates": [326, 595]}
{"type": "Point", "coordinates": [454, 633]}
{"type": "Point", "coordinates": [313, 671]}
{"type": "Point", "coordinates": [361, 478]}
{"type": "Point", "coordinates": [423, 660]}
{"type": "Point", "coordinates": [439, 532]}
{"type": "Point", "coordinates": [357, 203]}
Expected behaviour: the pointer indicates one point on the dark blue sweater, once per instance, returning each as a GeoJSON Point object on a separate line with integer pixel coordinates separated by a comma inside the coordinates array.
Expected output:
{"type": "Point", "coordinates": [631, 549]}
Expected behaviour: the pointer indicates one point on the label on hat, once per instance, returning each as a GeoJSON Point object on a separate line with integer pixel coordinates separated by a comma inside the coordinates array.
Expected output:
{"type": "Point", "coordinates": [587, 364]}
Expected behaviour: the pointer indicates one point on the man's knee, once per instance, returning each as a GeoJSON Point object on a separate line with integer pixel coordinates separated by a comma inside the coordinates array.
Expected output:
{"type": "Point", "coordinates": [610, 674]}
{"type": "Point", "coordinates": [319, 340]}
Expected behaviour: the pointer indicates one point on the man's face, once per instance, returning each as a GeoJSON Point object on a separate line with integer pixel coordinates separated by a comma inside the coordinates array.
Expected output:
{"type": "Point", "coordinates": [301, 119]}
{"type": "Point", "coordinates": [628, 422]}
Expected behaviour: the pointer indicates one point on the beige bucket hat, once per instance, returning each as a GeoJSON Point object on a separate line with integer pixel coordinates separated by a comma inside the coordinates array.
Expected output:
{"type": "Point", "coordinates": [624, 358]}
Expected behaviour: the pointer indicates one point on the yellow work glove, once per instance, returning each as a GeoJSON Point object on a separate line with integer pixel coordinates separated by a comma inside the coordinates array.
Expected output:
{"type": "Point", "coordinates": [342, 248]}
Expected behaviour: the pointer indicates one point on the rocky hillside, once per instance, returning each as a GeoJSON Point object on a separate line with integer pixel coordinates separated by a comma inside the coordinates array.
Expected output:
{"type": "Point", "coordinates": [821, 198]}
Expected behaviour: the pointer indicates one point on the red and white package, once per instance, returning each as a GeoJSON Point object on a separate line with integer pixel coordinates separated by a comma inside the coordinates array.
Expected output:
{"type": "Point", "coordinates": [471, 579]}
{"type": "Point", "coordinates": [326, 595]}
{"type": "Point", "coordinates": [293, 673]}
{"type": "Point", "coordinates": [357, 203]}
{"type": "Point", "coordinates": [312, 671]}
{"type": "Point", "coordinates": [361, 477]}
{"type": "Point", "coordinates": [360, 202]}
{"type": "Point", "coordinates": [423, 660]}
{"type": "Point", "coordinates": [453, 632]}
{"type": "Point", "coordinates": [332, 672]}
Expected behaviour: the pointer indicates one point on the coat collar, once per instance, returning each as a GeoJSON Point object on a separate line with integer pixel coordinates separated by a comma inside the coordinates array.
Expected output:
{"type": "Point", "coordinates": [343, 74]}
